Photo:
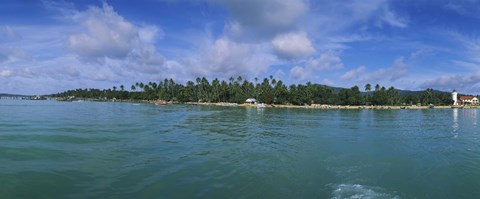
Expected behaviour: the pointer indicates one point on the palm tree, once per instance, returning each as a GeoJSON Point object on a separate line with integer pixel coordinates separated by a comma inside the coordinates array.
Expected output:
{"type": "Point", "coordinates": [122, 87]}
{"type": "Point", "coordinates": [133, 87]}
{"type": "Point", "coordinates": [377, 87]}
{"type": "Point", "coordinates": [239, 79]}
{"type": "Point", "coordinates": [368, 87]}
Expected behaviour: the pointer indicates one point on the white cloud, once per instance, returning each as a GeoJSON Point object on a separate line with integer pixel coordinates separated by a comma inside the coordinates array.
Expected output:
{"type": "Point", "coordinates": [337, 16]}
{"type": "Point", "coordinates": [117, 47]}
{"type": "Point", "coordinates": [5, 73]}
{"type": "Point", "coordinates": [327, 81]}
{"type": "Point", "coordinates": [298, 73]}
{"type": "Point", "coordinates": [464, 64]}
{"type": "Point", "coordinates": [393, 19]}
{"type": "Point", "coordinates": [150, 34]}
{"type": "Point", "coordinates": [468, 8]}
{"type": "Point", "coordinates": [264, 18]}
{"type": "Point", "coordinates": [423, 52]}
{"type": "Point", "coordinates": [224, 57]}
{"type": "Point", "coordinates": [292, 45]}
{"type": "Point", "coordinates": [352, 74]}
{"type": "Point", "coordinates": [92, 48]}
{"type": "Point", "coordinates": [466, 82]}
{"type": "Point", "coordinates": [326, 61]}
{"type": "Point", "coordinates": [396, 71]}
{"type": "Point", "coordinates": [106, 34]}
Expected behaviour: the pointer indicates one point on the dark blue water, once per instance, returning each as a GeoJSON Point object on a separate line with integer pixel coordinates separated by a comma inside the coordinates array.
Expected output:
{"type": "Point", "coordinates": [52, 149]}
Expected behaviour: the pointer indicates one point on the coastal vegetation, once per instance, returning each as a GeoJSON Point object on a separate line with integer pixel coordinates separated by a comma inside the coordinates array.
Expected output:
{"type": "Point", "coordinates": [268, 90]}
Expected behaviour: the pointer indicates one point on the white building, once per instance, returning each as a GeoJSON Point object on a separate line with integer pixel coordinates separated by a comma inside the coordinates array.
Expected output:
{"type": "Point", "coordinates": [251, 101]}
{"type": "Point", "coordinates": [469, 100]}
{"type": "Point", "coordinates": [454, 98]}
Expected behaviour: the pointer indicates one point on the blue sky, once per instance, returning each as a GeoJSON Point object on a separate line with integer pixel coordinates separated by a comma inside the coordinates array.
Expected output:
{"type": "Point", "coordinates": [50, 46]}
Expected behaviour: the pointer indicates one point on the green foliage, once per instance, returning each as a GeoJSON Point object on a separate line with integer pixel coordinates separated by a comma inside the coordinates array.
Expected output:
{"type": "Point", "coordinates": [270, 91]}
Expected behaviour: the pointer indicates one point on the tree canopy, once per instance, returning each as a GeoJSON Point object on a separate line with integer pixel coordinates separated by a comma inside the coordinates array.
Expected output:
{"type": "Point", "coordinates": [269, 90]}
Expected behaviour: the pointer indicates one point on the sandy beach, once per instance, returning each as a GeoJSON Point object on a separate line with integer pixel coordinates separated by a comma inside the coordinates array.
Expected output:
{"type": "Point", "coordinates": [322, 106]}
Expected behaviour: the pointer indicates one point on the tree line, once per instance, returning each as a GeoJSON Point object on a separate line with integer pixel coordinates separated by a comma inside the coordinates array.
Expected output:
{"type": "Point", "coordinates": [269, 90]}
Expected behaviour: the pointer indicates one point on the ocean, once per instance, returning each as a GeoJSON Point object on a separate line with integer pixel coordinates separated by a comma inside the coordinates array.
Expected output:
{"type": "Point", "coordinates": [51, 149]}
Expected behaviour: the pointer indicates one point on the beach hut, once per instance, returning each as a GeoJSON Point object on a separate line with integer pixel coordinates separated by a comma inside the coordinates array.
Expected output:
{"type": "Point", "coordinates": [251, 101]}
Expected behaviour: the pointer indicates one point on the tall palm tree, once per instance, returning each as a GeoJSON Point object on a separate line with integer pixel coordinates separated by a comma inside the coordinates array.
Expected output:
{"type": "Point", "coordinates": [368, 87]}
{"type": "Point", "coordinates": [239, 79]}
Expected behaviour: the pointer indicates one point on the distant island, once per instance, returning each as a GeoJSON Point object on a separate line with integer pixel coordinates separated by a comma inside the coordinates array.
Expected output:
{"type": "Point", "coordinates": [269, 91]}
{"type": "Point", "coordinates": [14, 96]}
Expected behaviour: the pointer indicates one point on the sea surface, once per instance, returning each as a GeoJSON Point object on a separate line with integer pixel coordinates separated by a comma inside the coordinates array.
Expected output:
{"type": "Point", "coordinates": [52, 149]}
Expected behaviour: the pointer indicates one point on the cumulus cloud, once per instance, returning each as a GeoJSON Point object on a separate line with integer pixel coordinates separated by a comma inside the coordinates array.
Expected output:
{"type": "Point", "coordinates": [116, 45]}
{"type": "Point", "coordinates": [106, 34]}
{"type": "Point", "coordinates": [396, 71]}
{"type": "Point", "coordinates": [263, 18]}
{"type": "Point", "coordinates": [326, 61]}
{"type": "Point", "coordinates": [224, 57]}
{"type": "Point", "coordinates": [292, 45]}
{"type": "Point", "coordinates": [103, 49]}
{"type": "Point", "coordinates": [352, 74]}
{"type": "Point", "coordinates": [468, 82]}
{"type": "Point", "coordinates": [298, 73]}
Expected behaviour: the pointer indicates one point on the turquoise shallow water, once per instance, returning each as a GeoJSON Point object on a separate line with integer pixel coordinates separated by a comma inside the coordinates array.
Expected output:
{"type": "Point", "coordinates": [52, 149]}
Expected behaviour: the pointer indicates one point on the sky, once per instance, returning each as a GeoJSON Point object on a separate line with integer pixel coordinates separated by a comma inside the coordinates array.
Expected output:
{"type": "Point", "coordinates": [49, 46]}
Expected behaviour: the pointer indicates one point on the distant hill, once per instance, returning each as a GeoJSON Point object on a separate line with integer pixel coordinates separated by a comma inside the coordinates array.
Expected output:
{"type": "Point", "coordinates": [401, 92]}
{"type": "Point", "coordinates": [13, 95]}
{"type": "Point", "coordinates": [409, 92]}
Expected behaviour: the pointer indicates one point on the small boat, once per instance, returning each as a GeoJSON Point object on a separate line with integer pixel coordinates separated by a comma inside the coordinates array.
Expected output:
{"type": "Point", "coordinates": [160, 103]}
{"type": "Point", "coordinates": [261, 105]}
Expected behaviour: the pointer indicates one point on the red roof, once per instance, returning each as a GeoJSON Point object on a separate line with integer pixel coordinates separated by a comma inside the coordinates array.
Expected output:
{"type": "Point", "coordinates": [466, 97]}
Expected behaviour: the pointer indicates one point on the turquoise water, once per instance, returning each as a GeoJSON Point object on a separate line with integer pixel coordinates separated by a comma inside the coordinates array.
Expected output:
{"type": "Point", "coordinates": [54, 149]}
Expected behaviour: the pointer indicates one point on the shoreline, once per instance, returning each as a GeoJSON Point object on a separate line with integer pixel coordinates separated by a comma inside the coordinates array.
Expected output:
{"type": "Point", "coordinates": [319, 106]}
{"type": "Point", "coordinates": [313, 106]}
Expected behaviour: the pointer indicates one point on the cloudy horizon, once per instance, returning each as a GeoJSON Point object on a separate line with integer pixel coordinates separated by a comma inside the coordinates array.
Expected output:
{"type": "Point", "coordinates": [51, 46]}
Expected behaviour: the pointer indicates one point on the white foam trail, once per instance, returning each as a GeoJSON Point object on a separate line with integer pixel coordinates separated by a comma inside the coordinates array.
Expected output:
{"type": "Point", "coordinates": [353, 191]}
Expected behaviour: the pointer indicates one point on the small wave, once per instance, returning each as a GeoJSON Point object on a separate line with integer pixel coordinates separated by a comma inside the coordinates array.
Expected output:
{"type": "Point", "coordinates": [354, 191]}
